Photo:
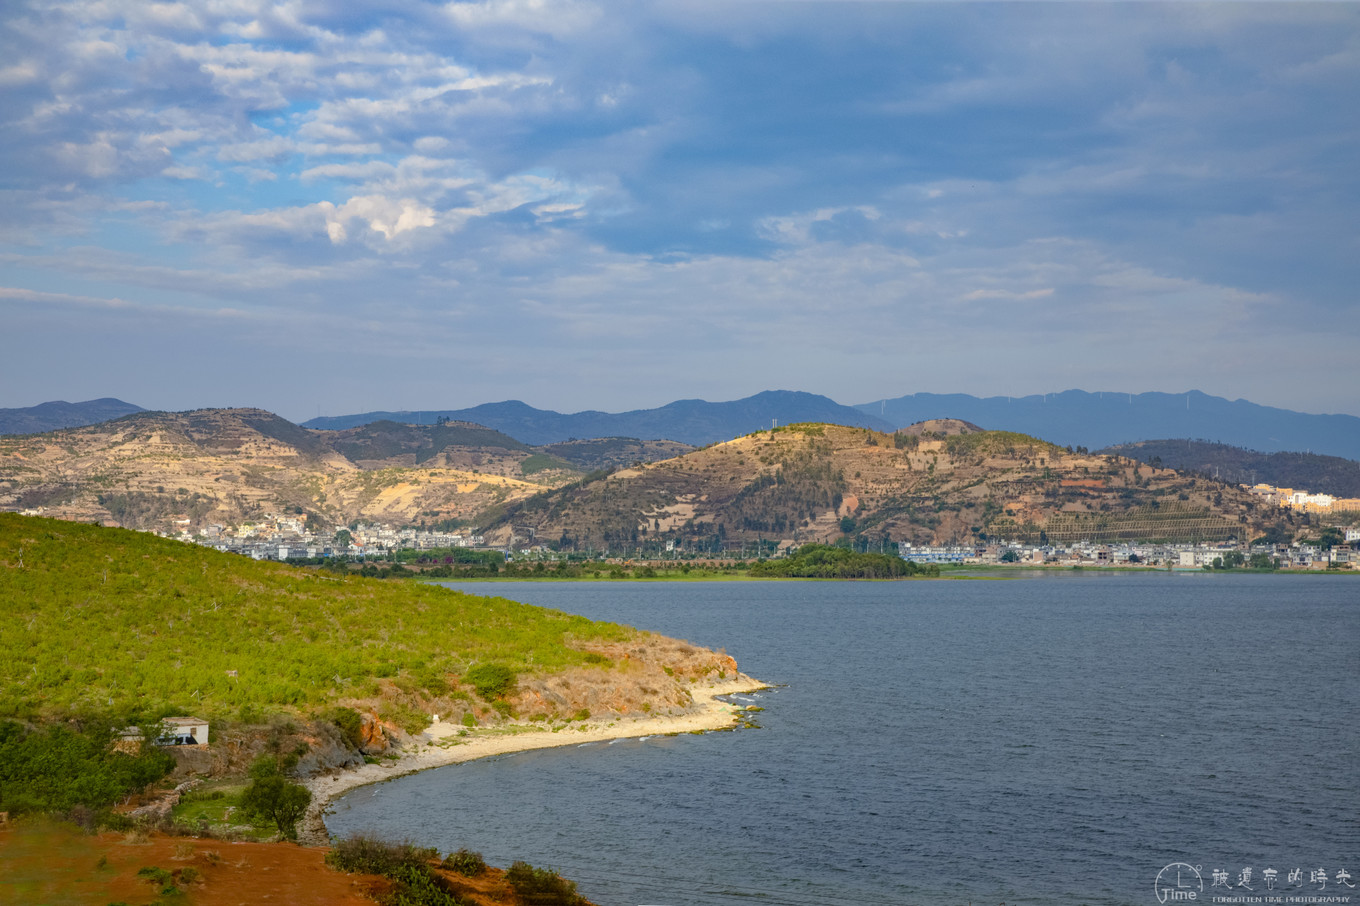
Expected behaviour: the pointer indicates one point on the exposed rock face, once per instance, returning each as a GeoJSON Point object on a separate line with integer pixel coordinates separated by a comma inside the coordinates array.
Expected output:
{"type": "Point", "coordinates": [650, 674]}
{"type": "Point", "coordinates": [192, 760]}
{"type": "Point", "coordinates": [327, 751]}
{"type": "Point", "coordinates": [162, 806]}
{"type": "Point", "coordinates": [378, 737]}
{"type": "Point", "coordinates": [234, 751]}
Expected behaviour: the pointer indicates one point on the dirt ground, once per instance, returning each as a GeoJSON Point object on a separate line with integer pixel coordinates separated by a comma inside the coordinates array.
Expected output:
{"type": "Point", "coordinates": [58, 865]}
{"type": "Point", "coordinates": [50, 864]}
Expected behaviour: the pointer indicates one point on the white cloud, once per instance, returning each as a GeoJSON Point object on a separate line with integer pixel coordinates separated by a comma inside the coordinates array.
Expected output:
{"type": "Point", "coordinates": [349, 172]}
{"type": "Point", "coordinates": [1009, 294]}
{"type": "Point", "coordinates": [18, 74]}
{"type": "Point", "coordinates": [386, 216]}
{"type": "Point", "coordinates": [657, 175]}
{"type": "Point", "coordinates": [553, 17]}
{"type": "Point", "coordinates": [271, 148]}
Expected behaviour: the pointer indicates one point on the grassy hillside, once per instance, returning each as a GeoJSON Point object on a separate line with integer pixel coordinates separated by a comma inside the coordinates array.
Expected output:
{"type": "Point", "coordinates": [108, 620]}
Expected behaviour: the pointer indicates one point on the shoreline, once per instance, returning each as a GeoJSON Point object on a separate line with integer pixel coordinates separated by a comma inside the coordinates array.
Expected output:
{"type": "Point", "coordinates": [441, 745]}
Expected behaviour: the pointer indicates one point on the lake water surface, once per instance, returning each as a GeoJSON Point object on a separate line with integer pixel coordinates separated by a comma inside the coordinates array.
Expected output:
{"type": "Point", "coordinates": [1053, 739]}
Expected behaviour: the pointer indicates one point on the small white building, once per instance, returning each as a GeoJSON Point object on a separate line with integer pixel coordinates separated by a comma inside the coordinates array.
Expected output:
{"type": "Point", "coordinates": [183, 731]}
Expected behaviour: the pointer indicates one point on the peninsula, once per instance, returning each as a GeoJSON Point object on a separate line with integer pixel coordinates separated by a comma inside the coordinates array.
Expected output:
{"type": "Point", "coordinates": [335, 681]}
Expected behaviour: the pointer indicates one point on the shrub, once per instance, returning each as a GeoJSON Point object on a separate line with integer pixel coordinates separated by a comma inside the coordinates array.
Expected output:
{"type": "Point", "coordinates": [542, 886]}
{"type": "Point", "coordinates": [406, 865]}
{"type": "Point", "coordinates": [368, 855]}
{"type": "Point", "coordinates": [350, 723]}
{"type": "Point", "coordinates": [417, 886]}
{"type": "Point", "coordinates": [465, 862]}
{"type": "Point", "coordinates": [159, 876]}
{"type": "Point", "coordinates": [491, 680]}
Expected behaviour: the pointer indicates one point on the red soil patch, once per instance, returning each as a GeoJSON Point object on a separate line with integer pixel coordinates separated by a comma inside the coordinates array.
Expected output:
{"type": "Point", "coordinates": [58, 864]}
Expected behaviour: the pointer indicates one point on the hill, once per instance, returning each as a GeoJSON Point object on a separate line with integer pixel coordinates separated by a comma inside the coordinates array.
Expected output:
{"type": "Point", "coordinates": [61, 414]}
{"type": "Point", "coordinates": [1095, 420]}
{"type": "Point", "coordinates": [613, 452]}
{"type": "Point", "coordinates": [694, 422]}
{"type": "Point", "coordinates": [1310, 471]}
{"type": "Point", "coordinates": [128, 623]}
{"type": "Point", "coordinates": [934, 483]}
{"type": "Point", "coordinates": [160, 470]}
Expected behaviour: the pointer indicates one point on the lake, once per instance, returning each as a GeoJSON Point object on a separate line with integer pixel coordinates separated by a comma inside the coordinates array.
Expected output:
{"type": "Point", "coordinates": [1057, 738]}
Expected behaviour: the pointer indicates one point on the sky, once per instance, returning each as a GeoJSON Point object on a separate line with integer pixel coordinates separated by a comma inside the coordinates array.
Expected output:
{"type": "Point", "coordinates": [324, 207]}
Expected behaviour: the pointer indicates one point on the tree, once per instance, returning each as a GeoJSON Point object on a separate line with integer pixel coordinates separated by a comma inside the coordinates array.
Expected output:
{"type": "Point", "coordinates": [1262, 561]}
{"type": "Point", "coordinates": [1330, 537]}
{"type": "Point", "coordinates": [1010, 557]}
{"type": "Point", "coordinates": [272, 797]}
{"type": "Point", "coordinates": [343, 538]}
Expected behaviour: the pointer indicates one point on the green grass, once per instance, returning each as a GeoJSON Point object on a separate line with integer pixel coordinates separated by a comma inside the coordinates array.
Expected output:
{"type": "Point", "coordinates": [113, 621]}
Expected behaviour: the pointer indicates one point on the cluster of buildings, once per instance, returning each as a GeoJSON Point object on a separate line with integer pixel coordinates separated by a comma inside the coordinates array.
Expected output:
{"type": "Point", "coordinates": [288, 537]}
{"type": "Point", "coordinates": [1304, 502]}
{"type": "Point", "coordinates": [1163, 556]}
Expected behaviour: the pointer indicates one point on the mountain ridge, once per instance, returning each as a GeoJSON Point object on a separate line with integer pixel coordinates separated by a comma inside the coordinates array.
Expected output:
{"type": "Point", "coordinates": [57, 414]}
{"type": "Point", "coordinates": [942, 482]}
{"type": "Point", "coordinates": [1106, 419]}
{"type": "Point", "coordinates": [1313, 472]}
{"type": "Point", "coordinates": [690, 421]}
{"type": "Point", "coordinates": [163, 469]}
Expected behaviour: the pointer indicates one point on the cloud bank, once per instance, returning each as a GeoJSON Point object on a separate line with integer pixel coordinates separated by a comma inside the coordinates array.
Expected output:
{"type": "Point", "coordinates": [398, 203]}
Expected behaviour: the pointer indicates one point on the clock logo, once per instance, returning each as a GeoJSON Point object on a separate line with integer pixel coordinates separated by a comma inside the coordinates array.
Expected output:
{"type": "Point", "coordinates": [1179, 882]}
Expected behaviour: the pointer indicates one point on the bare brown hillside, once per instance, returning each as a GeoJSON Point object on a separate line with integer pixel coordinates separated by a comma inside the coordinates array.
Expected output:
{"type": "Point", "coordinates": [945, 481]}
{"type": "Point", "coordinates": [171, 470]}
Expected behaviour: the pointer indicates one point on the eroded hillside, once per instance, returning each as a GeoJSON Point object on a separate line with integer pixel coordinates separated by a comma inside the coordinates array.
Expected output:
{"type": "Point", "coordinates": [171, 471]}
{"type": "Point", "coordinates": [937, 482]}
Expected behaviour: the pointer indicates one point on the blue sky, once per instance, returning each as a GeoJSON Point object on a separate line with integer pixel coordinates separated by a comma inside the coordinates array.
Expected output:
{"type": "Point", "coordinates": [325, 207]}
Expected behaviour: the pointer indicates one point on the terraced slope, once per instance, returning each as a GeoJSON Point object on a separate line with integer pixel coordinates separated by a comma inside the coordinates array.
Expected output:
{"type": "Point", "coordinates": [941, 481]}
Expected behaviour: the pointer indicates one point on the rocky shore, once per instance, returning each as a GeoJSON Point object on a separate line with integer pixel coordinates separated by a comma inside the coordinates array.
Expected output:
{"type": "Point", "coordinates": [446, 743]}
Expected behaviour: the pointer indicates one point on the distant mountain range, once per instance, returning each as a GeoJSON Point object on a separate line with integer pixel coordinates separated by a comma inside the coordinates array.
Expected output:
{"type": "Point", "coordinates": [939, 481]}
{"type": "Point", "coordinates": [1304, 471]}
{"type": "Point", "coordinates": [695, 422]}
{"type": "Point", "coordinates": [60, 414]}
{"type": "Point", "coordinates": [1093, 420]}
{"type": "Point", "coordinates": [1072, 418]}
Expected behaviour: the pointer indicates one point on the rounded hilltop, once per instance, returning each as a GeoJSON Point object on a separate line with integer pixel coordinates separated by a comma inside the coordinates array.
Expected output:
{"type": "Point", "coordinates": [943, 481]}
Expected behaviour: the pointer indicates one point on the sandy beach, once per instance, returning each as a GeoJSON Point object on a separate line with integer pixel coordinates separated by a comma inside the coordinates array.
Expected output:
{"type": "Point", "coordinates": [442, 744]}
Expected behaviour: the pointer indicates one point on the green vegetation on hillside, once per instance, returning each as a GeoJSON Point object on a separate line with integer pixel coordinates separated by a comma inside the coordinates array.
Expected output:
{"type": "Point", "coordinates": [386, 439]}
{"type": "Point", "coordinates": [542, 462]}
{"type": "Point", "coordinates": [408, 867]}
{"type": "Point", "coordinates": [59, 768]}
{"type": "Point", "coordinates": [819, 561]}
{"type": "Point", "coordinates": [113, 621]}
